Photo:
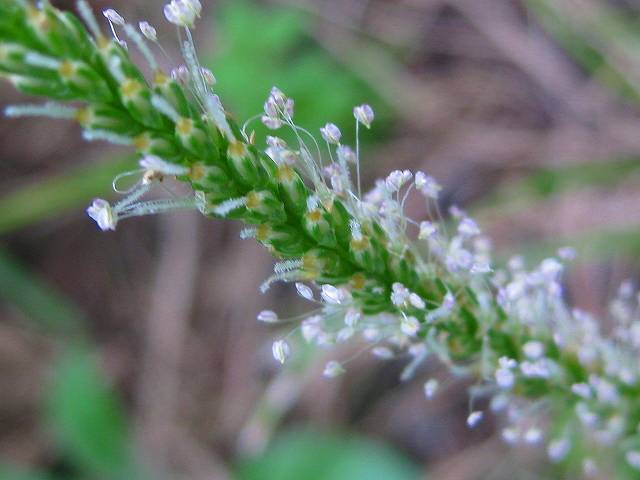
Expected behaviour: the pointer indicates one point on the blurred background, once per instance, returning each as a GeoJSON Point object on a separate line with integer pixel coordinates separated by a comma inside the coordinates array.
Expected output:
{"type": "Point", "coordinates": [136, 354]}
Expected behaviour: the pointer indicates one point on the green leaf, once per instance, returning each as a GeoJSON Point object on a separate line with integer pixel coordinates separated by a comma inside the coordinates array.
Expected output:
{"type": "Point", "coordinates": [8, 472]}
{"type": "Point", "coordinates": [311, 455]}
{"type": "Point", "coordinates": [87, 420]}
{"type": "Point", "coordinates": [261, 48]}
{"type": "Point", "coordinates": [46, 198]}
{"type": "Point", "coordinates": [36, 299]}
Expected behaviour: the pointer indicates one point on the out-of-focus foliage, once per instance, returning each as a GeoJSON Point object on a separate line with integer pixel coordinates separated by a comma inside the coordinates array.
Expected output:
{"type": "Point", "coordinates": [49, 197]}
{"type": "Point", "coordinates": [602, 39]}
{"type": "Point", "coordinates": [39, 302]}
{"type": "Point", "coordinates": [314, 455]}
{"type": "Point", "coordinates": [87, 420]}
{"type": "Point", "coordinates": [278, 52]}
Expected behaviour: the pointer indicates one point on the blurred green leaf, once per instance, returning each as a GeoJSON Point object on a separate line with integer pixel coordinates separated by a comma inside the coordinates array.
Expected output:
{"type": "Point", "coordinates": [36, 299]}
{"type": "Point", "coordinates": [313, 455]}
{"type": "Point", "coordinates": [266, 47]}
{"type": "Point", "coordinates": [12, 473]}
{"type": "Point", "coordinates": [624, 243]}
{"type": "Point", "coordinates": [592, 42]}
{"type": "Point", "coordinates": [87, 420]}
{"type": "Point", "coordinates": [48, 197]}
{"type": "Point", "coordinates": [547, 182]}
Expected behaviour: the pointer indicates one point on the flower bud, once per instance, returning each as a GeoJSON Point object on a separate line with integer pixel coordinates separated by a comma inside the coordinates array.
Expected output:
{"type": "Point", "coordinates": [113, 16]}
{"type": "Point", "coordinates": [331, 133]}
{"type": "Point", "coordinates": [148, 31]}
{"type": "Point", "coordinates": [364, 115]}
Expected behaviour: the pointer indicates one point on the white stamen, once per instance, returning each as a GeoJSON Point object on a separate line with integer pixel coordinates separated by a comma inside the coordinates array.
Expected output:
{"type": "Point", "coordinates": [267, 316]}
{"type": "Point", "coordinates": [333, 369]}
{"type": "Point", "coordinates": [281, 350]}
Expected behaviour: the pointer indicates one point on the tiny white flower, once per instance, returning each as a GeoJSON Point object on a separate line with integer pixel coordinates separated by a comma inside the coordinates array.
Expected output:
{"type": "Point", "coordinates": [633, 459]}
{"type": "Point", "coordinates": [410, 326]}
{"type": "Point", "coordinates": [333, 295]}
{"type": "Point", "coordinates": [431, 387]}
{"type": "Point", "coordinates": [333, 369]}
{"type": "Point", "coordinates": [304, 291]}
{"type": "Point", "coordinates": [331, 133]}
{"type": "Point", "coordinates": [416, 301]}
{"type": "Point", "coordinates": [182, 12]}
{"type": "Point", "coordinates": [510, 435]}
{"type": "Point", "coordinates": [449, 301]}
{"type": "Point", "coordinates": [101, 211]}
{"type": "Point", "coordinates": [427, 230]}
{"type": "Point", "coordinates": [589, 467]}
{"type": "Point", "coordinates": [430, 188]}
{"type": "Point", "coordinates": [457, 212]}
{"type": "Point", "coordinates": [345, 334]}
{"type": "Point", "coordinates": [586, 416]}
{"type": "Point", "coordinates": [420, 179]}
{"type": "Point", "coordinates": [533, 435]}
{"type": "Point", "coordinates": [278, 98]}
{"type": "Point", "coordinates": [352, 317]}
{"type": "Point", "coordinates": [281, 350]}
{"type": "Point", "coordinates": [533, 350]}
{"type": "Point", "coordinates": [551, 267]}
{"type": "Point", "coordinates": [567, 253]}
{"type": "Point", "coordinates": [364, 114]}
{"type": "Point", "coordinates": [582, 390]}
{"type": "Point", "coordinates": [148, 31]}
{"type": "Point", "coordinates": [181, 74]}
{"type": "Point", "coordinates": [311, 328]}
{"type": "Point", "coordinates": [346, 154]}
{"type": "Point", "coordinates": [396, 179]}
{"type": "Point", "coordinates": [558, 449]}
{"type": "Point", "coordinates": [156, 164]}
{"type": "Point", "coordinates": [481, 267]}
{"type": "Point", "coordinates": [539, 369]}
{"type": "Point", "coordinates": [208, 76]}
{"type": "Point", "coordinates": [506, 362]}
{"type": "Point", "coordinates": [271, 123]}
{"type": "Point", "coordinates": [499, 402]}
{"type": "Point", "coordinates": [474, 418]}
{"type": "Point", "coordinates": [113, 16]}
{"type": "Point", "coordinates": [371, 334]}
{"type": "Point", "coordinates": [399, 295]}
{"type": "Point", "coordinates": [468, 228]}
{"type": "Point", "coordinates": [382, 352]}
{"type": "Point", "coordinates": [268, 316]}
{"type": "Point", "coordinates": [505, 378]}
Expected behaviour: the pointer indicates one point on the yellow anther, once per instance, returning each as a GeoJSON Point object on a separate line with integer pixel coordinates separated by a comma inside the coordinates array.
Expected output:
{"type": "Point", "coordinates": [142, 142]}
{"type": "Point", "coordinates": [237, 150]}
{"type": "Point", "coordinates": [253, 201]}
{"type": "Point", "coordinates": [360, 244]}
{"type": "Point", "coordinates": [285, 174]}
{"type": "Point", "coordinates": [197, 171]}
{"type": "Point", "coordinates": [357, 281]}
{"type": "Point", "coordinates": [310, 263]}
{"type": "Point", "coordinates": [160, 79]}
{"type": "Point", "coordinates": [84, 116]}
{"type": "Point", "coordinates": [130, 88]}
{"type": "Point", "coordinates": [103, 42]}
{"type": "Point", "coordinates": [314, 216]}
{"type": "Point", "coordinates": [184, 127]}
{"type": "Point", "coordinates": [262, 233]}
{"type": "Point", "coordinates": [38, 18]}
{"type": "Point", "coordinates": [67, 70]}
